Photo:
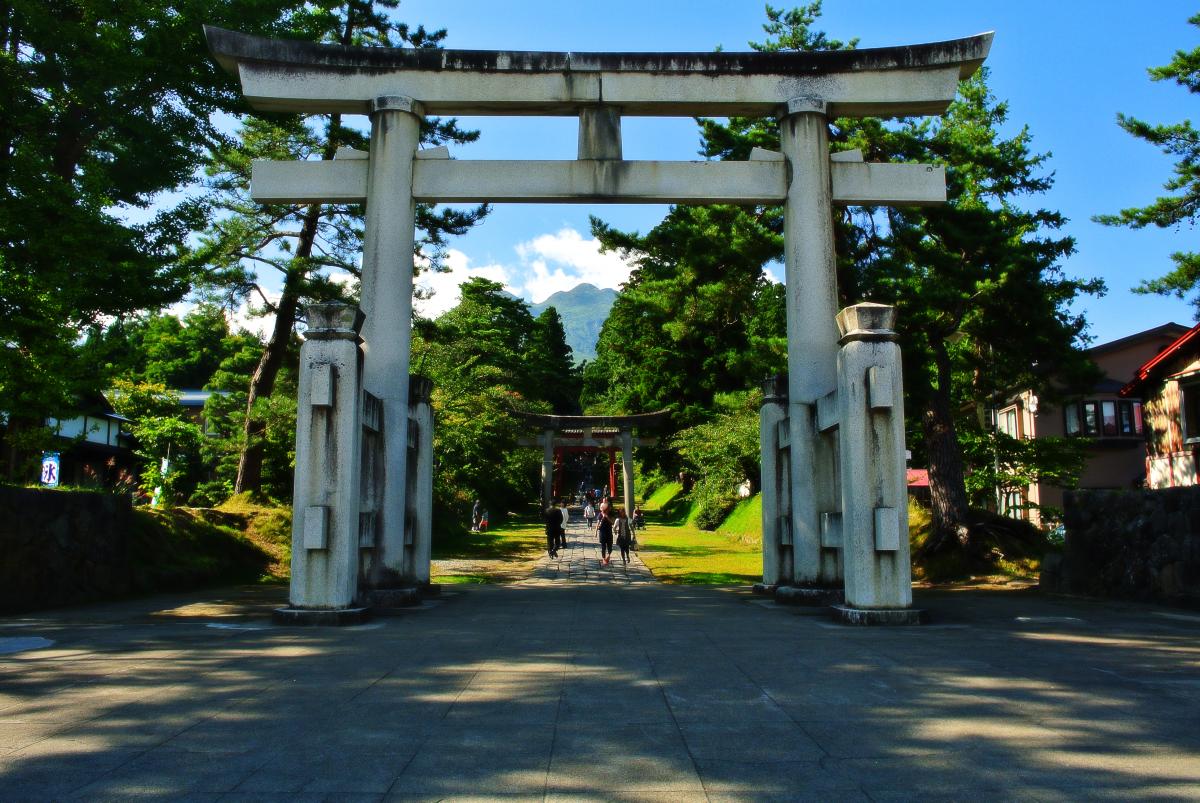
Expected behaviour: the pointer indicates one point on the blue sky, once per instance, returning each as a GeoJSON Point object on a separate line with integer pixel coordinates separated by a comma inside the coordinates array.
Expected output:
{"type": "Point", "coordinates": [1066, 69]}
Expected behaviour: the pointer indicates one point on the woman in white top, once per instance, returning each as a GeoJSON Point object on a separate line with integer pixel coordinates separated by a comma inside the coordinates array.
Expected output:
{"type": "Point", "coordinates": [589, 515]}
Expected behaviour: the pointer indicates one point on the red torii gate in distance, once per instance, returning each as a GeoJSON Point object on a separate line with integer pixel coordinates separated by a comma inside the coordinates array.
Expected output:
{"type": "Point", "coordinates": [567, 434]}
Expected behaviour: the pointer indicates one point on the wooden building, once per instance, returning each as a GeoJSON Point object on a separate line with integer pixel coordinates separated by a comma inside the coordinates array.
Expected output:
{"type": "Point", "coordinates": [1169, 386]}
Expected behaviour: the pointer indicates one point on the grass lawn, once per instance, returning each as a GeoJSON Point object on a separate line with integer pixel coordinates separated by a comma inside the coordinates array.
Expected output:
{"type": "Point", "coordinates": [679, 552]}
{"type": "Point", "coordinates": [674, 550]}
{"type": "Point", "coordinates": [502, 554]}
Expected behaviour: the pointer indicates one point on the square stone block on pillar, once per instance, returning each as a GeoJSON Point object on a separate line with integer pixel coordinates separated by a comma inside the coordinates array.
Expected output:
{"type": "Point", "coordinates": [874, 520]}
{"type": "Point", "coordinates": [325, 527]}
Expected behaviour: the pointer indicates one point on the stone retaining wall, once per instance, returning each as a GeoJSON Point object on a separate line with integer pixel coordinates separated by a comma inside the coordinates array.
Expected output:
{"type": "Point", "coordinates": [62, 547]}
{"type": "Point", "coordinates": [1131, 544]}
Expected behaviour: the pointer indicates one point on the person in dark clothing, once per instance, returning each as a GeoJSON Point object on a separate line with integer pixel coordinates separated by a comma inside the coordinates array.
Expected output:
{"type": "Point", "coordinates": [606, 540]}
{"type": "Point", "coordinates": [475, 511]}
{"type": "Point", "coordinates": [624, 535]}
{"type": "Point", "coordinates": [553, 518]}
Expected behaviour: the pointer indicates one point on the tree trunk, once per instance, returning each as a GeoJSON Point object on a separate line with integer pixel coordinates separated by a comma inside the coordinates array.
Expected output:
{"type": "Point", "coordinates": [262, 383]}
{"type": "Point", "coordinates": [947, 485]}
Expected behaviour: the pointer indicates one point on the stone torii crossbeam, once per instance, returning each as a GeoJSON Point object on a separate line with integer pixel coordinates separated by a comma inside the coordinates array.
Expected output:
{"type": "Point", "coordinates": [395, 88]}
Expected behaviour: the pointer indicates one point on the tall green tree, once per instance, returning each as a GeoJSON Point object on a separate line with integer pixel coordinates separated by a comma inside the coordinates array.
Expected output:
{"type": "Point", "coordinates": [984, 306]}
{"type": "Point", "coordinates": [489, 357]}
{"type": "Point", "coordinates": [301, 246]}
{"type": "Point", "coordinates": [179, 353]}
{"type": "Point", "coordinates": [698, 316]}
{"type": "Point", "coordinates": [552, 363]}
{"type": "Point", "coordinates": [103, 105]}
{"type": "Point", "coordinates": [983, 303]}
{"type": "Point", "coordinates": [1181, 205]}
{"type": "Point", "coordinates": [684, 326]}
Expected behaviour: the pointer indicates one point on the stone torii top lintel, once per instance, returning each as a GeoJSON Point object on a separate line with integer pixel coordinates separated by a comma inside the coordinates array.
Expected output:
{"type": "Point", "coordinates": [290, 75]}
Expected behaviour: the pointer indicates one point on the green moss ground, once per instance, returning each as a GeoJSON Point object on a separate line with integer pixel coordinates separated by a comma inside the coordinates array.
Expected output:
{"type": "Point", "coordinates": [240, 542]}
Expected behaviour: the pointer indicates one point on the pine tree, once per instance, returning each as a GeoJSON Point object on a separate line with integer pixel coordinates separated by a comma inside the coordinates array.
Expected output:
{"type": "Point", "coordinates": [103, 106]}
{"type": "Point", "coordinates": [1182, 204]}
{"type": "Point", "coordinates": [307, 245]}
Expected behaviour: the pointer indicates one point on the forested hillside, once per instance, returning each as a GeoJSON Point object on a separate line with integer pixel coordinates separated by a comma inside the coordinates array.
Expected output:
{"type": "Point", "coordinates": [583, 310]}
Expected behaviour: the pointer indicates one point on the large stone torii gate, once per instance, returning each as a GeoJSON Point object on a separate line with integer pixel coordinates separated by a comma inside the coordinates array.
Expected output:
{"type": "Point", "coordinates": [834, 512]}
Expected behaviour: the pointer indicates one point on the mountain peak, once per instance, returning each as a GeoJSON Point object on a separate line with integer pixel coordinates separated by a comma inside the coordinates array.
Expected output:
{"type": "Point", "coordinates": [583, 310]}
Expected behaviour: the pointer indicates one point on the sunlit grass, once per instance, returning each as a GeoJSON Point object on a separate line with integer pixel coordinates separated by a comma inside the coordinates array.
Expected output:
{"type": "Point", "coordinates": [744, 523]}
{"type": "Point", "coordinates": [687, 555]}
{"type": "Point", "coordinates": [502, 554]}
{"type": "Point", "coordinates": [516, 538]}
{"type": "Point", "coordinates": [679, 552]}
{"type": "Point", "coordinates": [463, 579]}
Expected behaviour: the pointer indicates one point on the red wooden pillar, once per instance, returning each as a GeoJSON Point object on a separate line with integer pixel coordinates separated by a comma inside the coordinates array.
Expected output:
{"type": "Point", "coordinates": [556, 485]}
{"type": "Point", "coordinates": [612, 473]}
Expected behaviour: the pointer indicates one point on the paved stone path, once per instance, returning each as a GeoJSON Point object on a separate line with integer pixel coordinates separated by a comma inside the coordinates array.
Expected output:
{"type": "Point", "coordinates": [580, 562]}
{"type": "Point", "coordinates": [588, 690]}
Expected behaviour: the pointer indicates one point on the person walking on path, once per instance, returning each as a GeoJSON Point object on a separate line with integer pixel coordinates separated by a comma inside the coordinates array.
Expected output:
{"type": "Point", "coordinates": [624, 535]}
{"type": "Point", "coordinates": [553, 518]}
{"type": "Point", "coordinates": [589, 515]}
{"type": "Point", "coordinates": [605, 508]}
{"type": "Point", "coordinates": [566, 520]}
{"type": "Point", "coordinates": [606, 540]}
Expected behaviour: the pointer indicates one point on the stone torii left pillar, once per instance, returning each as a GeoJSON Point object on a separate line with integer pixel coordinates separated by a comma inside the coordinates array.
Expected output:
{"type": "Point", "coordinates": [387, 288]}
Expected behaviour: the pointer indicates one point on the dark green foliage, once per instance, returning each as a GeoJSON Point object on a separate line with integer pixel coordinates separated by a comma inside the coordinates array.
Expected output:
{"type": "Point", "coordinates": [696, 318]}
{"type": "Point", "coordinates": [998, 462]}
{"type": "Point", "coordinates": [102, 106]}
{"type": "Point", "coordinates": [161, 348]}
{"type": "Point", "coordinates": [721, 454]}
{"type": "Point", "coordinates": [488, 357]}
{"type": "Point", "coordinates": [1181, 205]}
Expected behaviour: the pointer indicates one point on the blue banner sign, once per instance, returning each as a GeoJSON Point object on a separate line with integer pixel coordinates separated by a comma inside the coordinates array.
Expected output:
{"type": "Point", "coordinates": [50, 469]}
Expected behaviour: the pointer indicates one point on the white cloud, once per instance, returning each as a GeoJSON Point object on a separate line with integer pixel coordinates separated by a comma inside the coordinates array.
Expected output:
{"type": "Point", "coordinates": [553, 262]}
{"type": "Point", "coordinates": [441, 289]}
{"type": "Point", "coordinates": [545, 265]}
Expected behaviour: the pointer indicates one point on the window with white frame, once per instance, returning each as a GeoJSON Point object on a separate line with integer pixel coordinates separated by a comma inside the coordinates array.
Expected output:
{"type": "Point", "coordinates": [1006, 422]}
{"type": "Point", "coordinates": [1105, 418]}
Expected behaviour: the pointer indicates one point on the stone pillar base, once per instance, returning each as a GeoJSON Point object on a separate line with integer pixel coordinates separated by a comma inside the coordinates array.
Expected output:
{"type": "Point", "coordinates": [321, 616]}
{"type": "Point", "coordinates": [808, 595]}
{"type": "Point", "coordinates": [763, 589]}
{"type": "Point", "coordinates": [383, 598]}
{"type": "Point", "coordinates": [877, 616]}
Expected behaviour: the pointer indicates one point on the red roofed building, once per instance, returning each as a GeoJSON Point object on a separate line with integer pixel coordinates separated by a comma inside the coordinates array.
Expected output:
{"type": "Point", "coordinates": [1169, 386]}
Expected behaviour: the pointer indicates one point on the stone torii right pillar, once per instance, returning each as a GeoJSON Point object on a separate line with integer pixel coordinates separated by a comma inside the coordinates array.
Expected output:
{"type": "Point", "coordinates": [627, 469]}
{"type": "Point", "coordinates": [812, 307]}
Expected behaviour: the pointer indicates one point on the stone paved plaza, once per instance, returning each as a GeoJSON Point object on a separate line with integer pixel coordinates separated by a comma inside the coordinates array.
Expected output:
{"type": "Point", "coordinates": [583, 684]}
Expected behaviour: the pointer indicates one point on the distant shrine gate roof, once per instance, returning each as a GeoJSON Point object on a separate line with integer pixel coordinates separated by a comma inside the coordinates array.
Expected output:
{"type": "Point", "coordinates": [289, 75]}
